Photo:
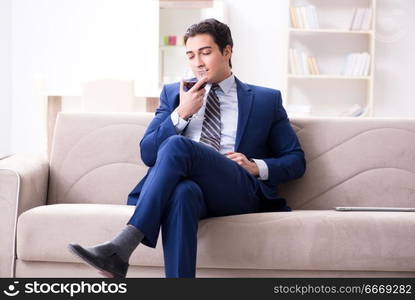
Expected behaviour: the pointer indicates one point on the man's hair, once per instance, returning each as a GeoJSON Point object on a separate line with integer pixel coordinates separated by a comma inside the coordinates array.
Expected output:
{"type": "Point", "coordinates": [220, 33]}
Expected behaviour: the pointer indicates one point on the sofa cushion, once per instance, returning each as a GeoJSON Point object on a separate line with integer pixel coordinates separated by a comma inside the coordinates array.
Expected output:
{"type": "Point", "coordinates": [297, 240]}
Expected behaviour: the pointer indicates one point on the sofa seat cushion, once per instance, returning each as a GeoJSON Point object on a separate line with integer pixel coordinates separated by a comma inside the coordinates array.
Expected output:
{"type": "Point", "coordinates": [297, 240]}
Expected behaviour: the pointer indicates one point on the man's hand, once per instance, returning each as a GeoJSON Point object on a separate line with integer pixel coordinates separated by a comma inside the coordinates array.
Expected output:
{"type": "Point", "coordinates": [192, 100]}
{"type": "Point", "coordinates": [244, 162]}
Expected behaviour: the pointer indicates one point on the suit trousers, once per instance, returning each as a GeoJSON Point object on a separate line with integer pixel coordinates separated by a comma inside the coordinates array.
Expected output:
{"type": "Point", "coordinates": [189, 182]}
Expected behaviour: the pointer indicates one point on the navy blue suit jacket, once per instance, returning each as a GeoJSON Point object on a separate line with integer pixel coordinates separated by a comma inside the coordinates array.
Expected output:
{"type": "Point", "coordinates": [263, 132]}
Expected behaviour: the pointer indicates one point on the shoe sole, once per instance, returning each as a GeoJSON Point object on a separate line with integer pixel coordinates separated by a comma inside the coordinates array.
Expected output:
{"type": "Point", "coordinates": [103, 272]}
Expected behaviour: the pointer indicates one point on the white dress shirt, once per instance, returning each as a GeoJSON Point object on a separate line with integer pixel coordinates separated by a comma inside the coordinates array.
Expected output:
{"type": "Point", "coordinates": [228, 99]}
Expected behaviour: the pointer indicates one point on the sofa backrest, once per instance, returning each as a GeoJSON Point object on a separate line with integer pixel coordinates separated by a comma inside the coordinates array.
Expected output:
{"type": "Point", "coordinates": [354, 162]}
{"type": "Point", "coordinates": [95, 158]}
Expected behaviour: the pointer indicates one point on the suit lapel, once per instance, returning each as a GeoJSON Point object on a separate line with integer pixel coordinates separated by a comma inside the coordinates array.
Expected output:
{"type": "Point", "coordinates": [245, 99]}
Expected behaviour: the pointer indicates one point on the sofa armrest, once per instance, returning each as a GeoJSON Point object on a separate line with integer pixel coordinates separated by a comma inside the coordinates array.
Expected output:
{"type": "Point", "coordinates": [23, 185]}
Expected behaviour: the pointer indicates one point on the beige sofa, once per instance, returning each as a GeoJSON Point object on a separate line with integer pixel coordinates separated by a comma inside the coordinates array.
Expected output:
{"type": "Point", "coordinates": [80, 195]}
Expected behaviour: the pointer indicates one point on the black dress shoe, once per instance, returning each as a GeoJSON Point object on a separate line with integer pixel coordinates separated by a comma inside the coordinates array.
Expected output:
{"type": "Point", "coordinates": [107, 262]}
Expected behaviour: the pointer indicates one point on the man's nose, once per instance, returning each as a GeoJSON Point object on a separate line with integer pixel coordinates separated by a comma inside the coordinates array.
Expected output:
{"type": "Point", "coordinates": [199, 62]}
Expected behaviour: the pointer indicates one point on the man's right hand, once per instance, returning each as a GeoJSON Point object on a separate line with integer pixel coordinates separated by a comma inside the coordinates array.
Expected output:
{"type": "Point", "coordinates": [192, 100]}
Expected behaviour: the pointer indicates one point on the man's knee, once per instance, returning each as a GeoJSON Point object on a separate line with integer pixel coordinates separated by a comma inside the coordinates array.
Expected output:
{"type": "Point", "coordinates": [187, 192]}
{"type": "Point", "coordinates": [175, 142]}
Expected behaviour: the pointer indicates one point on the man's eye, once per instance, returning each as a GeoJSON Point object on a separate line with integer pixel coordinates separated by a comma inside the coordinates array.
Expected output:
{"type": "Point", "coordinates": [190, 57]}
{"type": "Point", "coordinates": [206, 53]}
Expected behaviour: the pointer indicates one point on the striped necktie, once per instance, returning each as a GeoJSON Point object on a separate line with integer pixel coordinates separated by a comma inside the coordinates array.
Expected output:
{"type": "Point", "coordinates": [211, 127]}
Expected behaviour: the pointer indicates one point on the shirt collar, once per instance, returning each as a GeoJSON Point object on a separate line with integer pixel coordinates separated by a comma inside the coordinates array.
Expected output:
{"type": "Point", "coordinates": [227, 84]}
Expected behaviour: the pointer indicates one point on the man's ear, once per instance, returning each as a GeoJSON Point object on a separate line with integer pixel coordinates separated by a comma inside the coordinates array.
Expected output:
{"type": "Point", "coordinates": [227, 50]}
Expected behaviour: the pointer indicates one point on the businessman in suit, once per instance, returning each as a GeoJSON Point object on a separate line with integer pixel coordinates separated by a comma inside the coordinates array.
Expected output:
{"type": "Point", "coordinates": [219, 148]}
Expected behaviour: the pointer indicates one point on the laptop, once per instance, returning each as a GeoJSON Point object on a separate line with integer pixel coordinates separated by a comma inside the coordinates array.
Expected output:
{"type": "Point", "coordinates": [368, 208]}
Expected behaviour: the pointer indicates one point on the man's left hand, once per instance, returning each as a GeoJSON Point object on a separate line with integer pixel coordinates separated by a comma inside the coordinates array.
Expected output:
{"type": "Point", "coordinates": [244, 162]}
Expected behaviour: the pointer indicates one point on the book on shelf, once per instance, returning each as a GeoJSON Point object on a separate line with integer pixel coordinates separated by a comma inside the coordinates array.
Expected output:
{"type": "Point", "coordinates": [301, 63]}
{"type": "Point", "coordinates": [316, 69]}
{"type": "Point", "coordinates": [304, 64]}
{"type": "Point", "coordinates": [310, 65]}
{"type": "Point", "coordinates": [362, 19]}
{"type": "Point", "coordinates": [357, 64]}
{"type": "Point", "coordinates": [292, 61]}
{"type": "Point", "coordinates": [294, 18]}
{"type": "Point", "coordinates": [304, 17]}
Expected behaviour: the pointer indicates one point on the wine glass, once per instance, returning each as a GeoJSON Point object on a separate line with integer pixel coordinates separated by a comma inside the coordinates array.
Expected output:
{"type": "Point", "coordinates": [190, 80]}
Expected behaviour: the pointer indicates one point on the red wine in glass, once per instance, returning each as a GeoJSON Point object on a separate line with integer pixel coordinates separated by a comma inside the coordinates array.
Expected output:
{"type": "Point", "coordinates": [188, 84]}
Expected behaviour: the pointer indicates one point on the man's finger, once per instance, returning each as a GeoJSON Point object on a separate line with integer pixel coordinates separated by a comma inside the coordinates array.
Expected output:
{"type": "Point", "coordinates": [235, 155]}
{"type": "Point", "coordinates": [198, 84]}
{"type": "Point", "coordinates": [202, 93]}
{"type": "Point", "coordinates": [239, 161]}
{"type": "Point", "coordinates": [181, 85]}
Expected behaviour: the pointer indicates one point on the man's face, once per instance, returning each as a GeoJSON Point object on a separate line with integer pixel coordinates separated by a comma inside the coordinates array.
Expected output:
{"type": "Point", "coordinates": [204, 54]}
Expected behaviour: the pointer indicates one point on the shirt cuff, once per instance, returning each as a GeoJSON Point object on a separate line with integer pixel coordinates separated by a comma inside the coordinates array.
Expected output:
{"type": "Point", "coordinates": [179, 123]}
{"type": "Point", "coordinates": [263, 169]}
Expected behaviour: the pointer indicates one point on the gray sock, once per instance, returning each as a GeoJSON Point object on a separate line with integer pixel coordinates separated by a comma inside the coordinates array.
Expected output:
{"type": "Point", "coordinates": [126, 241]}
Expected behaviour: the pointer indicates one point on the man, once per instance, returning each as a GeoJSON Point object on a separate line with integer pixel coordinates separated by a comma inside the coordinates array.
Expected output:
{"type": "Point", "coordinates": [213, 151]}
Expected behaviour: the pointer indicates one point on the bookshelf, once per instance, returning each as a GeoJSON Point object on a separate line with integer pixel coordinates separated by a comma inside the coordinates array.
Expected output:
{"type": "Point", "coordinates": [170, 24]}
{"type": "Point", "coordinates": [330, 58]}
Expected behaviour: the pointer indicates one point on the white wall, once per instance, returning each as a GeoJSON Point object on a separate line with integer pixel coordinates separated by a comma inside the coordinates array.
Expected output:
{"type": "Point", "coordinates": [259, 36]}
{"type": "Point", "coordinates": [5, 76]}
{"type": "Point", "coordinates": [395, 60]}
{"type": "Point", "coordinates": [59, 44]}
